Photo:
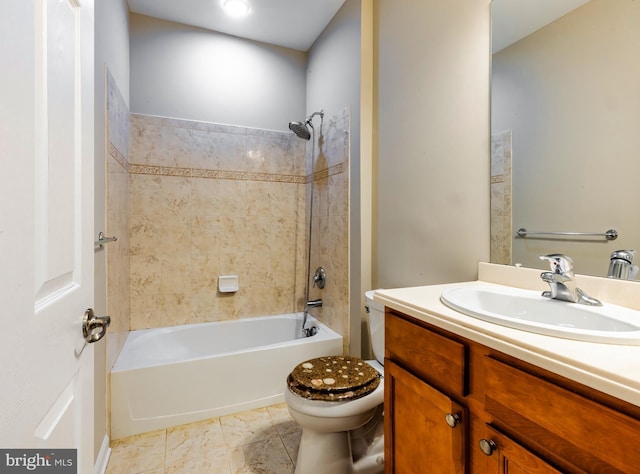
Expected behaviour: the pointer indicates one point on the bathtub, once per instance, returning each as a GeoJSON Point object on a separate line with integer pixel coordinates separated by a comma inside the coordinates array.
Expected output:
{"type": "Point", "coordinates": [171, 376]}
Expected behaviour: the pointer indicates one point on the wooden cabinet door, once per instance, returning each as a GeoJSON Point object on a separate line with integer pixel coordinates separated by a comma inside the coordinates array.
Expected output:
{"type": "Point", "coordinates": [505, 456]}
{"type": "Point", "coordinates": [418, 435]}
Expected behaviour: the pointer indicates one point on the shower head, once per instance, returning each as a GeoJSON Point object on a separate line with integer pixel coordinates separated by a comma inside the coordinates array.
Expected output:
{"type": "Point", "coordinates": [300, 129]}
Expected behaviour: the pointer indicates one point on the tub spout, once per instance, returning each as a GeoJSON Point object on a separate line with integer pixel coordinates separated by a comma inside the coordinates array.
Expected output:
{"type": "Point", "coordinates": [314, 303]}
{"type": "Point", "coordinates": [307, 332]}
{"type": "Point", "coordinates": [312, 330]}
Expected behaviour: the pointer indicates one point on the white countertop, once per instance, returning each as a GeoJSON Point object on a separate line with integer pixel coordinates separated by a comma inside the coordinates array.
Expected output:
{"type": "Point", "coordinates": [611, 368]}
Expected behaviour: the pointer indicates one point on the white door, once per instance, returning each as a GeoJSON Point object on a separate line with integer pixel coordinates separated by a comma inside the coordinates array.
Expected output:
{"type": "Point", "coordinates": [46, 225]}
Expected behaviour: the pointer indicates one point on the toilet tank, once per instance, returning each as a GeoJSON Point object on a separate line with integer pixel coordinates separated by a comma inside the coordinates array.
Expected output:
{"type": "Point", "coordinates": [376, 325]}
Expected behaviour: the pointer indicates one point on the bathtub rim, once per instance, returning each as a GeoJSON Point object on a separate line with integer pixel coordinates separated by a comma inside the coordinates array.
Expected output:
{"type": "Point", "coordinates": [123, 365]}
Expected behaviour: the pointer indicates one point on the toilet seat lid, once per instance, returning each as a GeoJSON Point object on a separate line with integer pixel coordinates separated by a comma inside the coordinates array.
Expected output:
{"type": "Point", "coordinates": [333, 378]}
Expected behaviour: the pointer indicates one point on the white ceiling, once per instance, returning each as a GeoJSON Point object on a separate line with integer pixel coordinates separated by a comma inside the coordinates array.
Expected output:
{"type": "Point", "coordinates": [512, 20]}
{"type": "Point", "coordinates": [297, 23]}
{"type": "Point", "coordinates": [290, 23]}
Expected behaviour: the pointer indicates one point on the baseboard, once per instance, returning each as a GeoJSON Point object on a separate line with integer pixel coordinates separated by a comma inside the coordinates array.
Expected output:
{"type": "Point", "coordinates": [103, 457]}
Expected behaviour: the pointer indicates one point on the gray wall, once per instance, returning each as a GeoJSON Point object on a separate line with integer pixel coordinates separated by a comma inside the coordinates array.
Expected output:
{"type": "Point", "coordinates": [433, 141]}
{"type": "Point", "coordinates": [333, 83]}
{"type": "Point", "coordinates": [112, 51]}
{"type": "Point", "coordinates": [191, 73]}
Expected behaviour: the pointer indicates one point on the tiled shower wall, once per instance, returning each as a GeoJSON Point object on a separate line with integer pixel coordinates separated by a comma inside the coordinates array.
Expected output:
{"type": "Point", "coordinates": [117, 218]}
{"type": "Point", "coordinates": [330, 229]}
{"type": "Point", "coordinates": [210, 200]}
{"type": "Point", "coordinates": [501, 194]}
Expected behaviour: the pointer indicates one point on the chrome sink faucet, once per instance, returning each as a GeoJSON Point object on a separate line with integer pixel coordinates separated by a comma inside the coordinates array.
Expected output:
{"type": "Point", "coordinates": [561, 281]}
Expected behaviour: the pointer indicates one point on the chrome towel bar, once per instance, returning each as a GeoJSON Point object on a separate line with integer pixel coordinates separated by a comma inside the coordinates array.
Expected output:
{"type": "Point", "coordinates": [611, 234]}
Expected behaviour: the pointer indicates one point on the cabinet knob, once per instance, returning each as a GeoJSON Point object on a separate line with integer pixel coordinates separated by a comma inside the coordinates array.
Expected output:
{"type": "Point", "coordinates": [452, 419]}
{"type": "Point", "coordinates": [487, 446]}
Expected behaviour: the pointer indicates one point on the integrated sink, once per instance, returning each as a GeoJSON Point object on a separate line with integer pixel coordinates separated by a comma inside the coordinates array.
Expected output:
{"type": "Point", "coordinates": [529, 311]}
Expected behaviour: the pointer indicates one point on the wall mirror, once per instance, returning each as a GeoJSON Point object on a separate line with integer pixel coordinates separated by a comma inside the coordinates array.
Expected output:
{"type": "Point", "coordinates": [565, 126]}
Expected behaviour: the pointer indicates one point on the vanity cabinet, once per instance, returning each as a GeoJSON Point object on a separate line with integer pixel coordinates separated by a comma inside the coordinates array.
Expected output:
{"type": "Point", "coordinates": [430, 436]}
{"type": "Point", "coordinates": [455, 406]}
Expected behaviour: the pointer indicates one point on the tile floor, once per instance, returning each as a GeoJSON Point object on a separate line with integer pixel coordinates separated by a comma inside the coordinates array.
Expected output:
{"type": "Point", "coordinates": [263, 441]}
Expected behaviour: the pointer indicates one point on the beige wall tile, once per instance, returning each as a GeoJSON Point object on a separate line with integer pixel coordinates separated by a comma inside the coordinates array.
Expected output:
{"type": "Point", "coordinates": [205, 197]}
{"type": "Point", "coordinates": [175, 196]}
{"type": "Point", "coordinates": [146, 195]}
{"type": "Point", "coordinates": [144, 235]}
{"type": "Point", "coordinates": [201, 216]}
{"type": "Point", "coordinates": [145, 275]}
{"type": "Point", "coordinates": [146, 311]}
{"type": "Point", "coordinates": [117, 219]}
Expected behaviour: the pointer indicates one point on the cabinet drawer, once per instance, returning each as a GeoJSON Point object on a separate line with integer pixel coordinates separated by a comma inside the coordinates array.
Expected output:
{"type": "Point", "coordinates": [509, 457]}
{"type": "Point", "coordinates": [430, 356]}
{"type": "Point", "coordinates": [587, 432]}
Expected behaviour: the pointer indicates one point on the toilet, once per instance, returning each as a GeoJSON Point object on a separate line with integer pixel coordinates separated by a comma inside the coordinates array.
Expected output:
{"type": "Point", "coordinates": [338, 402]}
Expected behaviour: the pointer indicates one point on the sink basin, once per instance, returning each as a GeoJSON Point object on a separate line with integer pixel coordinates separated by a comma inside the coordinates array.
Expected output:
{"type": "Point", "coordinates": [529, 311]}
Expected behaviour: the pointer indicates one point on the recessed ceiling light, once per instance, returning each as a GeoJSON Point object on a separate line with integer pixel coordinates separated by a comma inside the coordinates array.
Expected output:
{"type": "Point", "coordinates": [236, 7]}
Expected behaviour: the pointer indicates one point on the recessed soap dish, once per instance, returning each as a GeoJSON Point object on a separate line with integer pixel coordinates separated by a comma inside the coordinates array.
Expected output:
{"type": "Point", "coordinates": [228, 283]}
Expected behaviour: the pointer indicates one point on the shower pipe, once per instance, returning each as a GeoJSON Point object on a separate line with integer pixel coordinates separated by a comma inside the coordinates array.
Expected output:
{"type": "Point", "coordinates": [301, 129]}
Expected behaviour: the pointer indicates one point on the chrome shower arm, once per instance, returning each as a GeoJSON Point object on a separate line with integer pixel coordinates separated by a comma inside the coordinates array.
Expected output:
{"type": "Point", "coordinates": [310, 117]}
{"type": "Point", "coordinates": [309, 120]}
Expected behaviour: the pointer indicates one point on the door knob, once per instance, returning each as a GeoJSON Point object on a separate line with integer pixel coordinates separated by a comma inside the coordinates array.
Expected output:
{"type": "Point", "coordinates": [93, 327]}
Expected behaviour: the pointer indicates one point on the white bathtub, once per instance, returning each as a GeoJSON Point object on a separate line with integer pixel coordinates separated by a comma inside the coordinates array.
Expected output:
{"type": "Point", "coordinates": [170, 376]}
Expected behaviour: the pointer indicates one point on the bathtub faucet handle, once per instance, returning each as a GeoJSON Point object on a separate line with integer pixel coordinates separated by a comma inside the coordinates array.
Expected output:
{"type": "Point", "coordinates": [320, 278]}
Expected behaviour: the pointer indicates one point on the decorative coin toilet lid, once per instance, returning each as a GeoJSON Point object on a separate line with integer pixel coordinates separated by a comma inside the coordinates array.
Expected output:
{"type": "Point", "coordinates": [333, 378]}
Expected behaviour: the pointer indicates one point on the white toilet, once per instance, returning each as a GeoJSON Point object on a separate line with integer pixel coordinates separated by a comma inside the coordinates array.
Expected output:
{"type": "Point", "coordinates": [338, 402]}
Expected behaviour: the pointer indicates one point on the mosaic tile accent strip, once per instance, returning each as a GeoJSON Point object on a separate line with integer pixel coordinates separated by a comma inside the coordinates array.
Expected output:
{"type": "Point", "coordinates": [325, 173]}
{"type": "Point", "coordinates": [200, 173]}
{"type": "Point", "coordinates": [119, 157]}
{"type": "Point", "coordinates": [232, 175]}
{"type": "Point", "coordinates": [145, 169]}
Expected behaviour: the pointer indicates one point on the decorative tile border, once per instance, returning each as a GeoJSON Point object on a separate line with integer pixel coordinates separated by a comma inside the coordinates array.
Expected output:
{"type": "Point", "coordinates": [145, 169]}
{"type": "Point", "coordinates": [204, 173]}
{"type": "Point", "coordinates": [325, 173]}
{"type": "Point", "coordinates": [119, 157]}
{"type": "Point", "coordinates": [232, 175]}
{"type": "Point", "coordinates": [181, 172]}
